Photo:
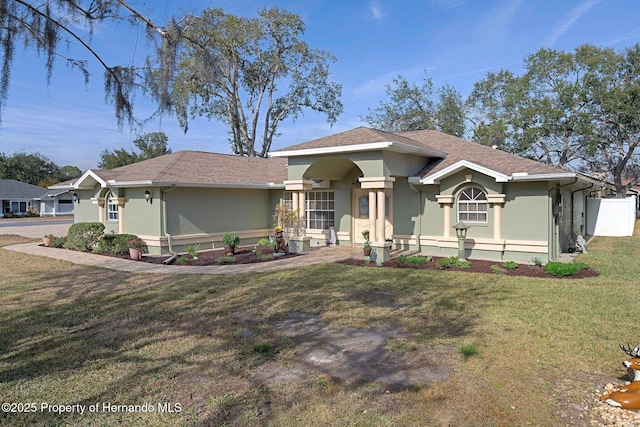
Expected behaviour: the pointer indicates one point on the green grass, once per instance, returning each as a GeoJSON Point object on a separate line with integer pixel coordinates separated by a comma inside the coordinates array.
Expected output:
{"type": "Point", "coordinates": [77, 335]}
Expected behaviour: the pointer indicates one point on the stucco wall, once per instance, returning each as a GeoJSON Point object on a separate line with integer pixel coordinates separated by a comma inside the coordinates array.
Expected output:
{"type": "Point", "coordinates": [202, 210]}
{"type": "Point", "coordinates": [525, 213]}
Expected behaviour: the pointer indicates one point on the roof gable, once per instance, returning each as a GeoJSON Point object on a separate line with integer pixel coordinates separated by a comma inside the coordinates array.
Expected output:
{"type": "Point", "coordinates": [495, 162]}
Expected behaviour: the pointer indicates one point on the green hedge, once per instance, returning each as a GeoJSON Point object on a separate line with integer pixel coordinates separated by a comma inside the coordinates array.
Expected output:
{"type": "Point", "coordinates": [84, 236]}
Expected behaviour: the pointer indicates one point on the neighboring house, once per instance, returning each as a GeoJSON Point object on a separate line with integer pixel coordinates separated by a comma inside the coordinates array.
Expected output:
{"type": "Point", "coordinates": [55, 203]}
{"type": "Point", "coordinates": [17, 197]}
{"type": "Point", "coordinates": [407, 189]}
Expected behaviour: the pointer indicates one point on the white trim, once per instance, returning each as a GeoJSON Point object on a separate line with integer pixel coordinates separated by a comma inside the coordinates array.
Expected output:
{"type": "Point", "coordinates": [463, 164]}
{"type": "Point", "coordinates": [137, 184]}
{"type": "Point", "coordinates": [86, 175]}
{"type": "Point", "coordinates": [519, 176]}
{"type": "Point", "coordinates": [391, 146]}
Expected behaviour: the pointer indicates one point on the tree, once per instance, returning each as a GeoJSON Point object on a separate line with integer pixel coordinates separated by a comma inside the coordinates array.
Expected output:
{"type": "Point", "coordinates": [51, 27]}
{"type": "Point", "coordinates": [414, 107]}
{"type": "Point", "coordinates": [68, 172]}
{"type": "Point", "coordinates": [542, 114]}
{"type": "Point", "coordinates": [31, 168]}
{"type": "Point", "coordinates": [569, 109]}
{"type": "Point", "coordinates": [252, 74]}
{"type": "Point", "coordinates": [151, 145]}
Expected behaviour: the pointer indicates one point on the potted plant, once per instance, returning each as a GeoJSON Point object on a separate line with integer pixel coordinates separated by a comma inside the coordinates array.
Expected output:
{"type": "Point", "coordinates": [48, 239]}
{"type": "Point", "coordinates": [230, 241]}
{"type": "Point", "coordinates": [135, 248]}
{"type": "Point", "coordinates": [367, 245]}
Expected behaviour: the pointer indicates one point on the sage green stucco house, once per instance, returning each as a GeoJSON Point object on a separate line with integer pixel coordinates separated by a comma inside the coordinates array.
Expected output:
{"type": "Point", "coordinates": [407, 189]}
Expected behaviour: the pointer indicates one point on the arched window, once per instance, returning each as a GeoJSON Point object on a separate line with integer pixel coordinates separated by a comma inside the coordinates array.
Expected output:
{"type": "Point", "coordinates": [472, 205]}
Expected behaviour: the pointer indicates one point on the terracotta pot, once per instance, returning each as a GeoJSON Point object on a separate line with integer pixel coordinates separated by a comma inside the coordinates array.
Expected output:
{"type": "Point", "coordinates": [367, 252]}
{"type": "Point", "coordinates": [230, 250]}
{"type": "Point", "coordinates": [135, 253]}
{"type": "Point", "coordinates": [47, 241]}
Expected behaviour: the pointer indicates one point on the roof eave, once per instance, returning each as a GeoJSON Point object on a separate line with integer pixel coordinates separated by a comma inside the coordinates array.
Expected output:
{"type": "Point", "coordinates": [354, 148]}
{"type": "Point", "coordinates": [543, 176]}
{"type": "Point", "coordinates": [204, 184]}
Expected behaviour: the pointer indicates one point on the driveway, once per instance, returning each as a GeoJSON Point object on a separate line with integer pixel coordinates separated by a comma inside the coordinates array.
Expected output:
{"type": "Point", "coordinates": [35, 227]}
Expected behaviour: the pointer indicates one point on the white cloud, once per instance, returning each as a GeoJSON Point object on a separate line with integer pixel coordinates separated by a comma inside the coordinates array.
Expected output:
{"type": "Point", "coordinates": [571, 18]}
{"type": "Point", "coordinates": [376, 10]}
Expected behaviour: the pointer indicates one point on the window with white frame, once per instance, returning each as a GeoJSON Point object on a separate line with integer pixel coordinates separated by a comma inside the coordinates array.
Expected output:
{"type": "Point", "coordinates": [472, 205]}
{"type": "Point", "coordinates": [112, 209]}
{"type": "Point", "coordinates": [320, 210]}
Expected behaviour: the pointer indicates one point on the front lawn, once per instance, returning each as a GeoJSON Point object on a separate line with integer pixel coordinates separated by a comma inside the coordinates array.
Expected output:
{"type": "Point", "coordinates": [321, 345]}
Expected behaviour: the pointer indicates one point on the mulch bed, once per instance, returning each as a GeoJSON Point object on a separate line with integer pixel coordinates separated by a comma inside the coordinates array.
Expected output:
{"type": "Point", "coordinates": [243, 255]}
{"type": "Point", "coordinates": [477, 266]}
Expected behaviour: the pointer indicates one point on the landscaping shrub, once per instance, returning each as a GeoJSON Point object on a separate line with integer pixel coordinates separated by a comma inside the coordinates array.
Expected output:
{"type": "Point", "coordinates": [413, 259]}
{"type": "Point", "coordinates": [510, 265]}
{"type": "Point", "coordinates": [32, 212]}
{"type": "Point", "coordinates": [115, 244]}
{"type": "Point", "coordinates": [227, 259]}
{"type": "Point", "coordinates": [58, 242]}
{"type": "Point", "coordinates": [452, 261]}
{"type": "Point", "coordinates": [497, 270]}
{"type": "Point", "coordinates": [557, 268]}
{"type": "Point", "coordinates": [84, 236]}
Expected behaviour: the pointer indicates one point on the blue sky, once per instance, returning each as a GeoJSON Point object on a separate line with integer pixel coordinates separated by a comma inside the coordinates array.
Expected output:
{"type": "Point", "coordinates": [455, 41]}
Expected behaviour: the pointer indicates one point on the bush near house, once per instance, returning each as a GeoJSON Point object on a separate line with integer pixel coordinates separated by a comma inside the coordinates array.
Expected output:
{"type": "Point", "coordinates": [557, 268]}
{"type": "Point", "coordinates": [115, 244]}
{"type": "Point", "coordinates": [84, 236]}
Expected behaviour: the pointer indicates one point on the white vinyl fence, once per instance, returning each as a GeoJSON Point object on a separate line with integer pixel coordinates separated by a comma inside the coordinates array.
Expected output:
{"type": "Point", "coordinates": [611, 217]}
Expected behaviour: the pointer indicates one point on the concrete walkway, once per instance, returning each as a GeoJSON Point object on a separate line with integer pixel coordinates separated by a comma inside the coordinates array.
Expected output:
{"type": "Point", "coordinates": [318, 255]}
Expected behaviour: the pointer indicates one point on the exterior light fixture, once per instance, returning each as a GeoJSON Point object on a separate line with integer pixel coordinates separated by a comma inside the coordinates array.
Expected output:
{"type": "Point", "coordinates": [461, 233]}
{"type": "Point", "coordinates": [147, 196]}
{"type": "Point", "coordinates": [76, 197]}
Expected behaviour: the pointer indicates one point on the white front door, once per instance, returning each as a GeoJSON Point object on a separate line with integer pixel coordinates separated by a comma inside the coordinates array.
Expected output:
{"type": "Point", "coordinates": [360, 214]}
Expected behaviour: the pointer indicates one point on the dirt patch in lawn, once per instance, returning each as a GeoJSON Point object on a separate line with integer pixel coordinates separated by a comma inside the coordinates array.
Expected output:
{"type": "Point", "coordinates": [477, 266]}
{"type": "Point", "coordinates": [349, 357]}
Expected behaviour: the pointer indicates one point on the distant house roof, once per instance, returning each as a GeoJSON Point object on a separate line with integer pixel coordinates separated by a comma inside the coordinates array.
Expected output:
{"type": "Point", "coordinates": [12, 189]}
{"type": "Point", "coordinates": [193, 168]}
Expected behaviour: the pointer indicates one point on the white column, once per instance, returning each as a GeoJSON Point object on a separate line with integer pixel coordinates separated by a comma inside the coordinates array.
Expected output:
{"type": "Point", "coordinates": [295, 204]}
{"type": "Point", "coordinates": [302, 212]}
{"type": "Point", "coordinates": [497, 200]}
{"type": "Point", "coordinates": [121, 201]}
{"type": "Point", "coordinates": [381, 216]}
{"type": "Point", "coordinates": [497, 221]}
{"type": "Point", "coordinates": [373, 226]}
{"type": "Point", "coordinates": [446, 232]}
{"type": "Point", "coordinates": [446, 201]}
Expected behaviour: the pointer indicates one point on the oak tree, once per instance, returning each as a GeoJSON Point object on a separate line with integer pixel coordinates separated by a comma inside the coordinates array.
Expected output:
{"type": "Point", "coordinates": [252, 74]}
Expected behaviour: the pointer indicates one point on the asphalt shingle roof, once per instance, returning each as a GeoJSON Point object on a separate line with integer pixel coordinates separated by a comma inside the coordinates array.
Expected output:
{"type": "Point", "coordinates": [12, 189]}
{"type": "Point", "coordinates": [198, 167]}
{"type": "Point", "coordinates": [458, 149]}
{"type": "Point", "coordinates": [357, 136]}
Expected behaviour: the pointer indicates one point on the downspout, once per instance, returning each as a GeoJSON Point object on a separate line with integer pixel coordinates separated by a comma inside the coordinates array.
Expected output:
{"type": "Point", "coordinates": [552, 230]}
{"type": "Point", "coordinates": [585, 205]}
{"type": "Point", "coordinates": [413, 187]}
{"type": "Point", "coordinates": [164, 217]}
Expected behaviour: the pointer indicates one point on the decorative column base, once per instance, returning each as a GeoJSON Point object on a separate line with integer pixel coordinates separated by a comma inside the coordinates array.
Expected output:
{"type": "Point", "coordinates": [299, 245]}
{"type": "Point", "coordinates": [380, 252]}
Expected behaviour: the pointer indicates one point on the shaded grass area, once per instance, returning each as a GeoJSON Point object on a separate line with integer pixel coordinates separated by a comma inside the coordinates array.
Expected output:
{"type": "Point", "coordinates": [78, 335]}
